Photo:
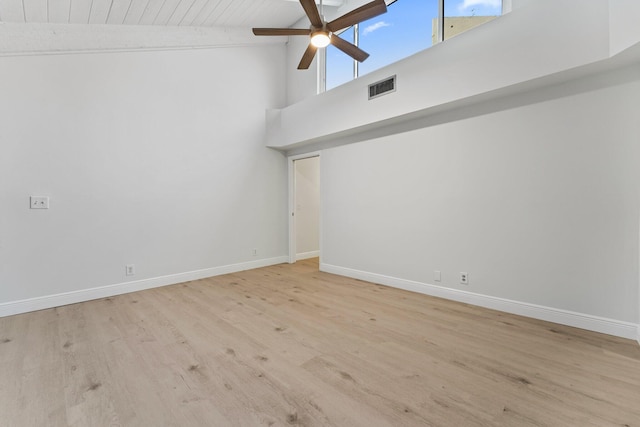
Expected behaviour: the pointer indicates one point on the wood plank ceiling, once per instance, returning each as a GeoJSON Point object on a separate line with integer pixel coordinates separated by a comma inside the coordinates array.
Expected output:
{"type": "Point", "coordinates": [191, 13]}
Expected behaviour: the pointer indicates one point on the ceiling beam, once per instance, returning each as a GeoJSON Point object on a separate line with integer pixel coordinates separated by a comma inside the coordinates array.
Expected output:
{"type": "Point", "coordinates": [30, 39]}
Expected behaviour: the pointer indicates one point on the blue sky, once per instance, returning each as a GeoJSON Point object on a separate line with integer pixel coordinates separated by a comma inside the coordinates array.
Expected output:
{"type": "Point", "coordinates": [404, 30]}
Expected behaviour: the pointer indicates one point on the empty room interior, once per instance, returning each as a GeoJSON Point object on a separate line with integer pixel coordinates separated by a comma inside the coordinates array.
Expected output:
{"type": "Point", "coordinates": [207, 218]}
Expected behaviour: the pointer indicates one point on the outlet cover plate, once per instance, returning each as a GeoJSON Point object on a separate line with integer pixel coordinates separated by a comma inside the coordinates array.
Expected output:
{"type": "Point", "coordinates": [130, 270]}
{"type": "Point", "coordinates": [464, 278]}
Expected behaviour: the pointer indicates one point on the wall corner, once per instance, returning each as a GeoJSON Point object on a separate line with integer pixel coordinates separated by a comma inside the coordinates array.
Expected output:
{"type": "Point", "coordinates": [273, 127]}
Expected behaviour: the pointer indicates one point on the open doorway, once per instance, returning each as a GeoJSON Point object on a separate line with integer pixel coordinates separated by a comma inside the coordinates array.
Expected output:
{"type": "Point", "coordinates": [304, 207]}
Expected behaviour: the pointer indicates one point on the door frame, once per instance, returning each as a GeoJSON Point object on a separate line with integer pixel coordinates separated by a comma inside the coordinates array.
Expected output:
{"type": "Point", "coordinates": [292, 204]}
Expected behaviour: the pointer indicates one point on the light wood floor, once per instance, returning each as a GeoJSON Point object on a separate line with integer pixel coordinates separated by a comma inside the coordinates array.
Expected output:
{"type": "Point", "coordinates": [287, 345]}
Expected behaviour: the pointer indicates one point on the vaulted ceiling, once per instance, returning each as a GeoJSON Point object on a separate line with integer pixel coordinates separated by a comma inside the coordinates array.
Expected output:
{"type": "Point", "coordinates": [190, 13]}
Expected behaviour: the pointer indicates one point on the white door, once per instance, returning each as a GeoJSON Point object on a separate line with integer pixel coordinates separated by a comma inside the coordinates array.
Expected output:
{"type": "Point", "coordinates": [304, 207]}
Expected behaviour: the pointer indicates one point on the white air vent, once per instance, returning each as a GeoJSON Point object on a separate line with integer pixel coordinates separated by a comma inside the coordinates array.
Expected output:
{"type": "Point", "coordinates": [382, 87]}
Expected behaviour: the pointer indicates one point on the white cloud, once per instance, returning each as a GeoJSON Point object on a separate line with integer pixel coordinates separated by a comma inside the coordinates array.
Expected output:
{"type": "Point", "coordinates": [371, 28]}
{"type": "Point", "coordinates": [466, 4]}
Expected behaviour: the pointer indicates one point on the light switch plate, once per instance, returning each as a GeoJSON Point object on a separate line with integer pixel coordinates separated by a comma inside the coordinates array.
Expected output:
{"type": "Point", "coordinates": [39, 202]}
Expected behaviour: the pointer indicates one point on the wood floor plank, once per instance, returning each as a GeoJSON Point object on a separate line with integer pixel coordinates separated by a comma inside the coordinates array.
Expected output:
{"type": "Point", "coordinates": [289, 345]}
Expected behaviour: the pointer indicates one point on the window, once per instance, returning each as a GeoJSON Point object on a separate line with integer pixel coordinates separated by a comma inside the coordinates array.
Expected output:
{"type": "Point", "coordinates": [408, 27]}
{"type": "Point", "coordinates": [401, 32]}
{"type": "Point", "coordinates": [342, 66]}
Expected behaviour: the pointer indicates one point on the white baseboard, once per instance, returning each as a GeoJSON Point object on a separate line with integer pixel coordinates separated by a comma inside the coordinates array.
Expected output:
{"type": "Point", "coordinates": [57, 300]}
{"type": "Point", "coordinates": [307, 255]}
{"type": "Point", "coordinates": [563, 317]}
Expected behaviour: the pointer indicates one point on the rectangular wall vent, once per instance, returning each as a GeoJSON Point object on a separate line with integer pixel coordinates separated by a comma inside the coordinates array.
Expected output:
{"type": "Point", "coordinates": [382, 87]}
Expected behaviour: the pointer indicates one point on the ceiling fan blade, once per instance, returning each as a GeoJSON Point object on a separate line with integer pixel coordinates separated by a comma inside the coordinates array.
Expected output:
{"type": "Point", "coordinates": [281, 32]}
{"type": "Point", "coordinates": [311, 10]}
{"type": "Point", "coordinates": [348, 48]}
{"type": "Point", "coordinates": [368, 11]}
{"type": "Point", "coordinates": [307, 57]}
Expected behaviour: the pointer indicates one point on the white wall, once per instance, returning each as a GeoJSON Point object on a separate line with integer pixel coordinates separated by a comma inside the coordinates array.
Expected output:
{"type": "Point", "coordinates": [307, 213]}
{"type": "Point", "coordinates": [622, 19]}
{"type": "Point", "coordinates": [301, 84]}
{"type": "Point", "coordinates": [536, 196]}
{"type": "Point", "coordinates": [150, 158]}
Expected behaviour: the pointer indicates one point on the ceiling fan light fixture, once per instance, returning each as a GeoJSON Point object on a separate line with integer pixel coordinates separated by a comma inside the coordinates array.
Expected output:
{"type": "Point", "coordinates": [320, 39]}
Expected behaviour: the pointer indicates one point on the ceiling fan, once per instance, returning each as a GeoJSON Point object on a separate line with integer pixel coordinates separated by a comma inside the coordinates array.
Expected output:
{"type": "Point", "coordinates": [323, 33]}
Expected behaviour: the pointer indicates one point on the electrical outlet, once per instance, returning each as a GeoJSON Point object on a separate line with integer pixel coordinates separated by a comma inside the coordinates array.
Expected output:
{"type": "Point", "coordinates": [464, 278]}
{"type": "Point", "coordinates": [39, 202]}
{"type": "Point", "coordinates": [437, 276]}
{"type": "Point", "coordinates": [130, 270]}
